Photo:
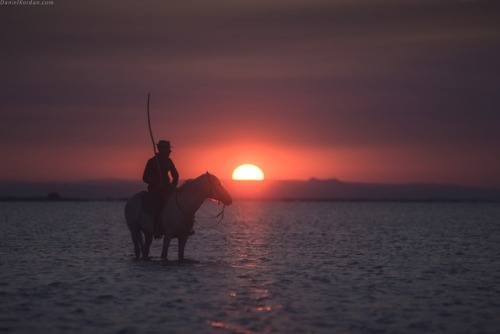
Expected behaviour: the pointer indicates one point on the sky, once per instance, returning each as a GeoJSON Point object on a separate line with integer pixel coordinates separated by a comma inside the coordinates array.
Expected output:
{"type": "Point", "coordinates": [386, 91]}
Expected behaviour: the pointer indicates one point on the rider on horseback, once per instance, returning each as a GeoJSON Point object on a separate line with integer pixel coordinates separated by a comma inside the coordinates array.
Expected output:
{"type": "Point", "coordinates": [159, 186]}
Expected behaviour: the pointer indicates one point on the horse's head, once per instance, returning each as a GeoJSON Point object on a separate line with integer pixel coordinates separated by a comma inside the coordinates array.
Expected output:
{"type": "Point", "coordinates": [217, 190]}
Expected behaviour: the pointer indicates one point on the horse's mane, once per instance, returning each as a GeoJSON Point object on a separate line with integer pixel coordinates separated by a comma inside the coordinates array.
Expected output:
{"type": "Point", "coordinates": [188, 181]}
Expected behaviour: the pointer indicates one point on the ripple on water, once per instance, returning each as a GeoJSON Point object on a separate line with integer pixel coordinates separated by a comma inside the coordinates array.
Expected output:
{"type": "Point", "coordinates": [269, 267]}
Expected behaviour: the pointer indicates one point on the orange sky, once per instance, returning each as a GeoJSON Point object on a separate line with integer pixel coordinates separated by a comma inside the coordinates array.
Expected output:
{"type": "Point", "coordinates": [276, 161]}
{"type": "Point", "coordinates": [382, 91]}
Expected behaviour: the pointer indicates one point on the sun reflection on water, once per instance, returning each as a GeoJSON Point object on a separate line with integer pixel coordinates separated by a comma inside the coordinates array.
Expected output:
{"type": "Point", "coordinates": [253, 293]}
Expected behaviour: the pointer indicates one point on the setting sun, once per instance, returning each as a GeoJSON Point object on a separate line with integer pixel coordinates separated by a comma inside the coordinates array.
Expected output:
{"type": "Point", "coordinates": [248, 172]}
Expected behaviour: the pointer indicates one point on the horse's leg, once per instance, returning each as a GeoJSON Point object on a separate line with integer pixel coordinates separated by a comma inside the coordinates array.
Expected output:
{"type": "Point", "coordinates": [136, 238]}
{"type": "Point", "coordinates": [166, 243]}
{"type": "Point", "coordinates": [182, 245]}
{"type": "Point", "coordinates": [141, 241]}
{"type": "Point", "coordinates": [147, 245]}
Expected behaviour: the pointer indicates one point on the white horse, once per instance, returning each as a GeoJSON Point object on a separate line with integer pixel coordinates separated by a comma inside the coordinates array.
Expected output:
{"type": "Point", "coordinates": [177, 217]}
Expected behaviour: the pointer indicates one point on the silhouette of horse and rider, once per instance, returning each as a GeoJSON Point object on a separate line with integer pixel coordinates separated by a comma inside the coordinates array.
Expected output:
{"type": "Point", "coordinates": [165, 210]}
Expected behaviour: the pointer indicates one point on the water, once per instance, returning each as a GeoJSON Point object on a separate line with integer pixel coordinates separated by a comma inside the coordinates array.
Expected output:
{"type": "Point", "coordinates": [305, 267]}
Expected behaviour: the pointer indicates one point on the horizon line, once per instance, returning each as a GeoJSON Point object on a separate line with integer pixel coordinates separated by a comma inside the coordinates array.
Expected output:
{"type": "Point", "coordinates": [258, 181]}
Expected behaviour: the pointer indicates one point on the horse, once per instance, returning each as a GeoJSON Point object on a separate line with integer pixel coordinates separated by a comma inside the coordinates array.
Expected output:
{"type": "Point", "coordinates": [177, 217]}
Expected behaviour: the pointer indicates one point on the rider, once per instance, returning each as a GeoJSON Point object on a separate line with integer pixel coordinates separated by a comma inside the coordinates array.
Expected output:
{"type": "Point", "coordinates": [158, 180]}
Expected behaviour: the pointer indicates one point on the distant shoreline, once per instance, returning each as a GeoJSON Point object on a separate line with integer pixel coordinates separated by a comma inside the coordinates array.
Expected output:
{"type": "Point", "coordinates": [299, 191]}
{"type": "Point", "coordinates": [69, 199]}
{"type": "Point", "coordinates": [342, 200]}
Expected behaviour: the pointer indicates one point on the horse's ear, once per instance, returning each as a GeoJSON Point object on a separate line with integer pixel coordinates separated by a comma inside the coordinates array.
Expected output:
{"type": "Point", "coordinates": [207, 172]}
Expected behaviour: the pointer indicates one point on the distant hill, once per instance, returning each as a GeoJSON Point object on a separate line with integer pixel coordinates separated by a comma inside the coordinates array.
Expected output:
{"type": "Point", "coordinates": [312, 189]}
{"type": "Point", "coordinates": [91, 189]}
{"type": "Point", "coordinates": [338, 190]}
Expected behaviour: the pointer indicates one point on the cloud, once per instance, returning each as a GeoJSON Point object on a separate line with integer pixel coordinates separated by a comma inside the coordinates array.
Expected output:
{"type": "Point", "coordinates": [331, 74]}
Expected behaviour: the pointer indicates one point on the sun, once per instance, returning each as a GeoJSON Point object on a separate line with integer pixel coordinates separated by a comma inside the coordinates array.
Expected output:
{"type": "Point", "coordinates": [248, 172]}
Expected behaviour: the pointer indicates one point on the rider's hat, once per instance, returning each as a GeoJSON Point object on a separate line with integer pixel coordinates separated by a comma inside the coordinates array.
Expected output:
{"type": "Point", "coordinates": [163, 144]}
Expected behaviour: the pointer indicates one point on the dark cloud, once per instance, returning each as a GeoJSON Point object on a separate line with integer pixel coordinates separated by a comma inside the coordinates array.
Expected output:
{"type": "Point", "coordinates": [332, 73]}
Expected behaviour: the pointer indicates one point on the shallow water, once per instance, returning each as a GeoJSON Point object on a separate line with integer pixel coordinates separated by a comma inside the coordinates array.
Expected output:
{"type": "Point", "coordinates": [303, 267]}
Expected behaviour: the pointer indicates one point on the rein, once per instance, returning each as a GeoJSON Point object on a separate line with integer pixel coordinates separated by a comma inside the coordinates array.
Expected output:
{"type": "Point", "coordinates": [220, 215]}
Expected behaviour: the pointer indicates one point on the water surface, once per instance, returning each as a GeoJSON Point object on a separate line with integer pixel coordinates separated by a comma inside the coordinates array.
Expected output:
{"type": "Point", "coordinates": [290, 267]}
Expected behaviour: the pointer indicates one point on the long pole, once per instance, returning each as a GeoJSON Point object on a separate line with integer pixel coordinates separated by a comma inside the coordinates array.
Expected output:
{"type": "Point", "coordinates": [154, 145]}
{"type": "Point", "coordinates": [149, 125]}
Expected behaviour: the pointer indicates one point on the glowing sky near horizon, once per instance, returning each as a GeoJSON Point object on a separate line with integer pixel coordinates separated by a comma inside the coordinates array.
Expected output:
{"type": "Point", "coordinates": [367, 91]}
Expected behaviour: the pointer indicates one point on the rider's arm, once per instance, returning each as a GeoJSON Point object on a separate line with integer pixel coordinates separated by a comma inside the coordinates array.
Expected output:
{"type": "Point", "coordinates": [146, 177]}
{"type": "Point", "coordinates": [174, 173]}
